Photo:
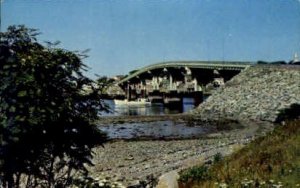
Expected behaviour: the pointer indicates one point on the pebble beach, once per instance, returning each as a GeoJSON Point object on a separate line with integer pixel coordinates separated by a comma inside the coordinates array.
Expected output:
{"type": "Point", "coordinates": [136, 163]}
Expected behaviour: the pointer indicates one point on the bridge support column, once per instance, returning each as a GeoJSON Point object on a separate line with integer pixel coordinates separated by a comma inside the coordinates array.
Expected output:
{"type": "Point", "coordinates": [130, 93]}
{"type": "Point", "coordinates": [155, 97]}
{"type": "Point", "coordinates": [198, 97]}
{"type": "Point", "coordinates": [173, 98]}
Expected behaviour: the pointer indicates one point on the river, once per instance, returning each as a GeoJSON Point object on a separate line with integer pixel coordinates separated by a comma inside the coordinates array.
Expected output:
{"type": "Point", "coordinates": [157, 129]}
{"type": "Point", "coordinates": [153, 109]}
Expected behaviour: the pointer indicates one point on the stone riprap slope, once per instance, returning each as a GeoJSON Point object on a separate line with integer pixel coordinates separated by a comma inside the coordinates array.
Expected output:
{"type": "Point", "coordinates": [259, 92]}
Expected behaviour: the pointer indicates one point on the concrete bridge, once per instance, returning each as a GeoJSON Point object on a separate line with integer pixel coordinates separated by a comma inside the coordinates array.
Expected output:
{"type": "Point", "coordinates": [169, 81]}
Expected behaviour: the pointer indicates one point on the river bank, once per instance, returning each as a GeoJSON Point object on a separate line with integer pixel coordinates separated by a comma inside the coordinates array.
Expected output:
{"type": "Point", "coordinates": [136, 163]}
{"type": "Point", "coordinates": [166, 127]}
{"type": "Point", "coordinates": [234, 114]}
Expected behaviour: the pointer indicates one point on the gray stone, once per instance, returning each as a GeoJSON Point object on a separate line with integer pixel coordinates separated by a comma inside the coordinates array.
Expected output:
{"type": "Point", "coordinates": [256, 93]}
{"type": "Point", "coordinates": [168, 180]}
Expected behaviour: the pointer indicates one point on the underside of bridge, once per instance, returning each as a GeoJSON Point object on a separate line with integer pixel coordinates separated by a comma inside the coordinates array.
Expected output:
{"type": "Point", "coordinates": [174, 80]}
{"type": "Point", "coordinates": [203, 76]}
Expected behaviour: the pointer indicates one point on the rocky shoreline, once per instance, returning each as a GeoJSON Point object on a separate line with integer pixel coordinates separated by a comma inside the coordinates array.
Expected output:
{"type": "Point", "coordinates": [237, 113]}
{"type": "Point", "coordinates": [140, 163]}
{"type": "Point", "coordinates": [257, 93]}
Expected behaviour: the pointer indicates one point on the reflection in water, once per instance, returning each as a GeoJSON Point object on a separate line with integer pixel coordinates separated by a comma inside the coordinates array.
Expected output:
{"type": "Point", "coordinates": [153, 109]}
{"type": "Point", "coordinates": [152, 130]}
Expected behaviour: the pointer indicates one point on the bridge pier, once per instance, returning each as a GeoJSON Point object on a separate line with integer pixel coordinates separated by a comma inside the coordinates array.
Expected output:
{"type": "Point", "coordinates": [198, 97]}
{"type": "Point", "coordinates": [128, 92]}
{"type": "Point", "coordinates": [156, 96]}
{"type": "Point", "coordinates": [172, 98]}
{"type": "Point", "coordinates": [131, 93]}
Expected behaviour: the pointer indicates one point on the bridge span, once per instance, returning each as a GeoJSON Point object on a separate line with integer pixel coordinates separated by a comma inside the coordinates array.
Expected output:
{"type": "Point", "coordinates": [169, 81]}
{"type": "Point", "coordinates": [211, 65]}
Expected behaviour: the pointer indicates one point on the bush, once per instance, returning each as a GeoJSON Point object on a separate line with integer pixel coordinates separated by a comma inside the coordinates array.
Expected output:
{"type": "Point", "coordinates": [47, 119]}
{"type": "Point", "coordinates": [291, 113]}
{"type": "Point", "coordinates": [195, 173]}
{"type": "Point", "coordinates": [265, 162]}
{"type": "Point", "coordinates": [218, 157]}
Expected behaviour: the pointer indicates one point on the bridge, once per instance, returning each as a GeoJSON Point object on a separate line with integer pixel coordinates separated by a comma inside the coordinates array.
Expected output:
{"type": "Point", "coordinates": [169, 81]}
{"type": "Point", "coordinates": [212, 65]}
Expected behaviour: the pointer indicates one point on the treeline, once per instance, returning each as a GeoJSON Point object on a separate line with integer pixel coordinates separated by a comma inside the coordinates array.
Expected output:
{"type": "Point", "coordinates": [278, 63]}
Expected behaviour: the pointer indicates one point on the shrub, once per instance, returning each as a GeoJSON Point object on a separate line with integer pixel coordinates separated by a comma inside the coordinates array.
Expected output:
{"type": "Point", "coordinates": [218, 157]}
{"type": "Point", "coordinates": [291, 113]}
{"type": "Point", "coordinates": [195, 173]}
{"type": "Point", "coordinates": [47, 119]}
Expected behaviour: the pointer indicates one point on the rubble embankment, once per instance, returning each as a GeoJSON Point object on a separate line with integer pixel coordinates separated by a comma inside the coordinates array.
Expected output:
{"type": "Point", "coordinates": [257, 93]}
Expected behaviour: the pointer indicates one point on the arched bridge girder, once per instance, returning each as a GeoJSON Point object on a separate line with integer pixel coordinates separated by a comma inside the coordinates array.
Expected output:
{"type": "Point", "coordinates": [155, 69]}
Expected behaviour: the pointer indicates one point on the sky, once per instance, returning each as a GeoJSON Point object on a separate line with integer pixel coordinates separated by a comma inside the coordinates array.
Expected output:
{"type": "Point", "coordinates": [124, 35]}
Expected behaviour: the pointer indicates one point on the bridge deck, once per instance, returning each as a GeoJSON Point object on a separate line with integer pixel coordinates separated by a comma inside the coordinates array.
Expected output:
{"type": "Point", "coordinates": [219, 65]}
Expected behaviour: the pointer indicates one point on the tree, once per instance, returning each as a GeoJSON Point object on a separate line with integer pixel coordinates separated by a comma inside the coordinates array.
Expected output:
{"type": "Point", "coordinates": [47, 120]}
{"type": "Point", "coordinates": [104, 83]}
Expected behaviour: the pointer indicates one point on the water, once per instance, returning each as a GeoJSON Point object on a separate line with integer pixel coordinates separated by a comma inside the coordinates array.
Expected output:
{"type": "Point", "coordinates": [153, 130]}
{"type": "Point", "coordinates": [153, 109]}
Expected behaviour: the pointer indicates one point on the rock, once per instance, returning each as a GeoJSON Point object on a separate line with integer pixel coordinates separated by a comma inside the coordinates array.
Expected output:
{"type": "Point", "coordinates": [130, 158]}
{"type": "Point", "coordinates": [147, 166]}
{"type": "Point", "coordinates": [120, 178]}
{"type": "Point", "coordinates": [257, 93]}
{"type": "Point", "coordinates": [135, 183]}
{"type": "Point", "coordinates": [168, 180]}
{"type": "Point", "coordinates": [144, 161]}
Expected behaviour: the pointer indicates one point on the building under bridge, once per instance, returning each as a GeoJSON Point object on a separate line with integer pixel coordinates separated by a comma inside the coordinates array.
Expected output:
{"type": "Point", "coordinates": [168, 82]}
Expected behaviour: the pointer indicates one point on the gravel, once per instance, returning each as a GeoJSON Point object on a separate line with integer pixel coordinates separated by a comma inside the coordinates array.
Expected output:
{"type": "Point", "coordinates": [136, 163]}
{"type": "Point", "coordinates": [257, 93]}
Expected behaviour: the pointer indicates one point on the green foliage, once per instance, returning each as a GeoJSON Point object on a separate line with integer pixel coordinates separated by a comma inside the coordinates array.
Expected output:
{"type": "Point", "coordinates": [218, 157]}
{"type": "Point", "coordinates": [195, 173]}
{"type": "Point", "coordinates": [278, 63]}
{"type": "Point", "coordinates": [103, 83]}
{"type": "Point", "coordinates": [269, 161]}
{"type": "Point", "coordinates": [293, 112]}
{"type": "Point", "coordinates": [262, 62]}
{"type": "Point", "coordinates": [271, 63]}
{"type": "Point", "coordinates": [47, 128]}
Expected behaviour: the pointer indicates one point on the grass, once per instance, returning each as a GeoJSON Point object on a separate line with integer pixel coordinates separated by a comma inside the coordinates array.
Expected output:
{"type": "Point", "coordinates": [269, 161]}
